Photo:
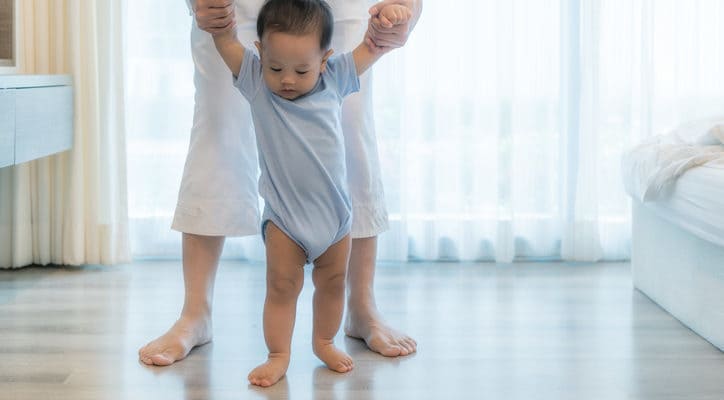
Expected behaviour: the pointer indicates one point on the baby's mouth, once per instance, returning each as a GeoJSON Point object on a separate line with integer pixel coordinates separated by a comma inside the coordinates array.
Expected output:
{"type": "Point", "coordinates": [288, 93]}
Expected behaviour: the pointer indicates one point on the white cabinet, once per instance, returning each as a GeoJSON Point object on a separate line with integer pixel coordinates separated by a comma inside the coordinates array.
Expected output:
{"type": "Point", "coordinates": [7, 127]}
{"type": "Point", "coordinates": [36, 117]}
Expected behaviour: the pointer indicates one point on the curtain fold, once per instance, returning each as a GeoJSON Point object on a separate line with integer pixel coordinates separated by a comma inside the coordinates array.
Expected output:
{"type": "Point", "coordinates": [581, 237]}
{"type": "Point", "coordinates": [71, 208]}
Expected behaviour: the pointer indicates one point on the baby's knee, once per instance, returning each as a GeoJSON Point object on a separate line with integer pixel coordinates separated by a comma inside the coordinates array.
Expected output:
{"type": "Point", "coordinates": [331, 281]}
{"type": "Point", "coordinates": [284, 288]}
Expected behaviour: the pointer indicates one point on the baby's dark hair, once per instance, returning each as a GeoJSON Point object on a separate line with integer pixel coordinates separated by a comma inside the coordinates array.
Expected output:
{"type": "Point", "coordinates": [297, 17]}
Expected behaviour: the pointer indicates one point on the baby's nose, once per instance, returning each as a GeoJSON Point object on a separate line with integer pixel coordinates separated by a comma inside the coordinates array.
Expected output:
{"type": "Point", "coordinates": [288, 79]}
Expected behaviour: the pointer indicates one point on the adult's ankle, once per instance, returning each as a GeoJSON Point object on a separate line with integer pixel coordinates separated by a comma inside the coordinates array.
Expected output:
{"type": "Point", "coordinates": [362, 307]}
{"type": "Point", "coordinates": [197, 312]}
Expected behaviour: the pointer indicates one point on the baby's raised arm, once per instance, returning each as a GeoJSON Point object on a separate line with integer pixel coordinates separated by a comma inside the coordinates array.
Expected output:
{"type": "Point", "coordinates": [230, 49]}
{"type": "Point", "coordinates": [391, 15]}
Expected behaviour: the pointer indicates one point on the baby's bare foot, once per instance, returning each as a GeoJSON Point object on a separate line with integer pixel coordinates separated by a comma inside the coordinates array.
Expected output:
{"type": "Point", "coordinates": [378, 336]}
{"type": "Point", "coordinates": [271, 371]}
{"type": "Point", "coordinates": [336, 359]}
{"type": "Point", "coordinates": [175, 345]}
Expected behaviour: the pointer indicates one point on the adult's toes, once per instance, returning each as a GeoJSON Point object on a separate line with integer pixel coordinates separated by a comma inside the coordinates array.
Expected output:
{"type": "Point", "coordinates": [393, 350]}
{"type": "Point", "coordinates": [410, 345]}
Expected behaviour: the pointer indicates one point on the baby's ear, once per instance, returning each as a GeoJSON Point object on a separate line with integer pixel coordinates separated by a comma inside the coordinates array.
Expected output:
{"type": "Point", "coordinates": [258, 47]}
{"type": "Point", "coordinates": [325, 59]}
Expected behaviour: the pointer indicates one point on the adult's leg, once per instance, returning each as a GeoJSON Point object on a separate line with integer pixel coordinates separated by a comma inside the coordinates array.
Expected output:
{"type": "Point", "coordinates": [363, 320]}
{"type": "Point", "coordinates": [284, 281]}
{"type": "Point", "coordinates": [218, 194]}
{"type": "Point", "coordinates": [193, 328]}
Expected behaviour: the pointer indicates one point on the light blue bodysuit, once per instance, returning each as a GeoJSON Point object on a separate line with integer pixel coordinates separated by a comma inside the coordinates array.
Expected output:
{"type": "Point", "coordinates": [301, 154]}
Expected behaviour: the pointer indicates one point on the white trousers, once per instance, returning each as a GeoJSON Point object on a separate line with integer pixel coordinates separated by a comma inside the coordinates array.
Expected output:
{"type": "Point", "coordinates": [218, 194]}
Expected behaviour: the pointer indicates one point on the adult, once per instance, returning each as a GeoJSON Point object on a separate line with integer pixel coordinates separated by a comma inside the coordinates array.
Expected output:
{"type": "Point", "coordinates": [218, 194]}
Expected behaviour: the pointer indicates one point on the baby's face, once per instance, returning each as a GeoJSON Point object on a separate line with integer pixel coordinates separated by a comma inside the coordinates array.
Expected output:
{"type": "Point", "coordinates": [291, 64]}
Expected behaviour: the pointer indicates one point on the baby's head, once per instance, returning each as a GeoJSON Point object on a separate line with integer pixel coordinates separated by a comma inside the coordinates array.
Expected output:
{"type": "Point", "coordinates": [294, 40]}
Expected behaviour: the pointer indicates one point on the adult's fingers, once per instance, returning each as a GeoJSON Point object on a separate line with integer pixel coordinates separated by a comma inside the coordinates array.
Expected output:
{"type": "Point", "coordinates": [210, 13]}
{"type": "Point", "coordinates": [216, 31]}
{"type": "Point", "coordinates": [206, 4]}
{"type": "Point", "coordinates": [213, 13]}
{"type": "Point", "coordinates": [215, 23]}
{"type": "Point", "coordinates": [390, 37]}
{"type": "Point", "coordinates": [206, 22]}
{"type": "Point", "coordinates": [395, 36]}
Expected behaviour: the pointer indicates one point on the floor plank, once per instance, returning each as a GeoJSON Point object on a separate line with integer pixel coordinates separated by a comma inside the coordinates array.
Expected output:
{"type": "Point", "coordinates": [538, 330]}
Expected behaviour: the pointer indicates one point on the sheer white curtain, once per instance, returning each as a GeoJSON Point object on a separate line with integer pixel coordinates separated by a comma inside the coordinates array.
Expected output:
{"type": "Point", "coordinates": [500, 124]}
{"type": "Point", "coordinates": [71, 208]}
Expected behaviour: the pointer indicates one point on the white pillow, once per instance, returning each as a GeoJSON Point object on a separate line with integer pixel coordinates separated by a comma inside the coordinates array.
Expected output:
{"type": "Point", "coordinates": [705, 132]}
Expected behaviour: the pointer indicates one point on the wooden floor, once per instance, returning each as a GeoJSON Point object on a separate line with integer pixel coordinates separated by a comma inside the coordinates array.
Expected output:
{"type": "Point", "coordinates": [485, 331]}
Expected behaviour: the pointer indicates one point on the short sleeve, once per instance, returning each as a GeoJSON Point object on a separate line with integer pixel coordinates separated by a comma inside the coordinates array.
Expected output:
{"type": "Point", "coordinates": [342, 71]}
{"type": "Point", "coordinates": [249, 78]}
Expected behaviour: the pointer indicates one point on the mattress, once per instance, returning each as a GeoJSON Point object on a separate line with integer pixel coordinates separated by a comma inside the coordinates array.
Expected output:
{"type": "Point", "coordinates": [695, 202]}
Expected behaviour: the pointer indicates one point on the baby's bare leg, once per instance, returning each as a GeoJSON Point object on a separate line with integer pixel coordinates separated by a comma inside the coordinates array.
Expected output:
{"type": "Point", "coordinates": [329, 276]}
{"type": "Point", "coordinates": [284, 280]}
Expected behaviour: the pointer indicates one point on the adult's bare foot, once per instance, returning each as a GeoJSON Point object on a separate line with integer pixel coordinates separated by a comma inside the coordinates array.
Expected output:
{"type": "Point", "coordinates": [378, 336]}
{"type": "Point", "coordinates": [175, 345]}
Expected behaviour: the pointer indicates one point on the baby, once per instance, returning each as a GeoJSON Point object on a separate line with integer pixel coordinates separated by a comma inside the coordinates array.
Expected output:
{"type": "Point", "coordinates": [295, 89]}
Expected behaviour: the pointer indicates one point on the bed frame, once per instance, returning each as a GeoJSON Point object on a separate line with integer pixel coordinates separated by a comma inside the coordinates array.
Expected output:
{"type": "Point", "coordinates": [681, 272]}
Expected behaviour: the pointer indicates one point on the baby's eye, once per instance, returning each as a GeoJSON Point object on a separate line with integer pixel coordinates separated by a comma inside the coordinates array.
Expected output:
{"type": "Point", "coordinates": [275, 69]}
{"type": "Point", "coordinates": [302, 72]}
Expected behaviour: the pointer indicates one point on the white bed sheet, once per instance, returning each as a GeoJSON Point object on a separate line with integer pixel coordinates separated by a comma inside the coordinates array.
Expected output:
{"type": "Point", "coordinates": [650, 168]}
{"type": "Point", "coordinates": [695, 202]}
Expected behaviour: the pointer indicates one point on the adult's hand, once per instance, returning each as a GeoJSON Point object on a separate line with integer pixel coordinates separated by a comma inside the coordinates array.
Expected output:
{"type": "Point", "coordinates": [215, 16]}
{"type": "Point", "coordinates": [382, 35]}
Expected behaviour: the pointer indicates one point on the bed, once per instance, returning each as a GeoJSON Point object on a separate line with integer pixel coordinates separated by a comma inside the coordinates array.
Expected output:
{"type": "Point", "coordinates": [677, 256]}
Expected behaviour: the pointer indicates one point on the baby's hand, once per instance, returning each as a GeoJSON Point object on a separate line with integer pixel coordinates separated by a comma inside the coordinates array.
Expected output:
{"type": "Point", "coordinates": [393, 15]}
